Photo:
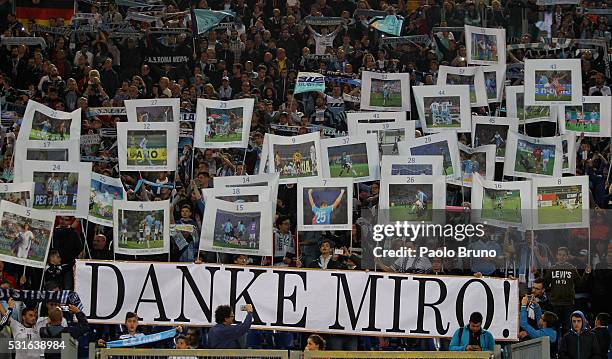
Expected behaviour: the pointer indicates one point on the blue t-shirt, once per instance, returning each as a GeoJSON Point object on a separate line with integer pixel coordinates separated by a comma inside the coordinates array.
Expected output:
{"type": "Point", "coordinates": [322, 215]}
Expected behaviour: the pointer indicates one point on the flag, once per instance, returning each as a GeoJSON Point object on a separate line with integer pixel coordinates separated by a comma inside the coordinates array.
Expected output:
{"type": "Point", "coordinates": [207, 19]}
{"type": "Point", "coordinates": [309, 81]}
{"type": "Point", "coordinates": [25, 10]}
{"type": "Point", "coordinates": [391, 24]}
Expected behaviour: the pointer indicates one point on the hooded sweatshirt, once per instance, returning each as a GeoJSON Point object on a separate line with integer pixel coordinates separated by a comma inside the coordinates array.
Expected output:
{"type": "Point", "coordinates": [562, 279]}
{"type": "Point", "coordinates": [579, 345]}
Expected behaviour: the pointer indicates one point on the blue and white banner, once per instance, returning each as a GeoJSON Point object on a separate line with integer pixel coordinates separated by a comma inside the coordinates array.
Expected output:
{"type": "Point", "coordinates": [143, 339]}
{"type": "Point", "coordinates": [309, 81]}
{"type": "Point", "coordinates": [390, 24]}
{"type": "Point", "coordinates": [207, 19]}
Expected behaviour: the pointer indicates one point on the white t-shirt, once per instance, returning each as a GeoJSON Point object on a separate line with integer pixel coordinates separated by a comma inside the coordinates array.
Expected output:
{"type": "Point", "coordinates": [21, 333]}
{"type": "Point", "coordinates": [26, 242]}
{"type": "Point", "coordinates": [322, 42]}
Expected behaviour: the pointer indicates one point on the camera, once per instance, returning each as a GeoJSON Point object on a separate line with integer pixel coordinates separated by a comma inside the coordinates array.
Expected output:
{"type": "Point", "coordinates": [65, 308]}
{"type": "Point", "coordinates": [243, 307]}
{"type": "Point", "coordinates": [338, 251]}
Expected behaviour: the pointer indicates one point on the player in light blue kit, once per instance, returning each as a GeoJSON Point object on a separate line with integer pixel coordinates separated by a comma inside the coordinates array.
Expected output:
{"type": "Point", "coordinates": [386, 94]}
{"type": "Point", "coordinates": [145, 152]}
{"type": "Point", "coordinates": [149, 223]}
{"type": "Point", "coordinates": [240, 229]}
{"type": "Point", "coordinates": [228, 227]}
{"type": "Point", "coordinates": [546, 154]}
{"type": "Point", "coordinates": [322, 213]}
{"type": "Point", "coordinates": [46, 127]}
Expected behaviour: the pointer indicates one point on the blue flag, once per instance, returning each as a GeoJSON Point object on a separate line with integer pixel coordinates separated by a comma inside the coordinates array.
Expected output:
{"type": "Point", "coordinates": [309, 81]}
{"type": "Point", "coordinates": [391, 24]}
{"type": "Point", "coordinates": [207, 19]}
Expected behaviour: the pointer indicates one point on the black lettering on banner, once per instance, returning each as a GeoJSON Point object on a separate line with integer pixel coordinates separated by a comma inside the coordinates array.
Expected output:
{"type": "Point", "coordinates": [153, 153]}
{"type": "Point", "coordinates": [280, 299]}
{"type": "Point", "coordinates": [95, 268]}
{"type": "Point", "coordinates": [206, 309]}
{"type": "Point", "coordinates": [158, 300]}
{"type": "Point", "coordinates": [371, 285]}
{"type": "Point", "coordinates": [490, 303]}
{"type": "Point", "coordinates": [245, 292]}
{"type": "Point", "coordinates": [397, 293]}
{"type": "Point", "coordinates": [421, 307]}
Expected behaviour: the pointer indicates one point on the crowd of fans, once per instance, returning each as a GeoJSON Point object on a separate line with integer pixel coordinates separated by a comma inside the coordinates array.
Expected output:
{"type": "Point", "coordinates": [259, 56]}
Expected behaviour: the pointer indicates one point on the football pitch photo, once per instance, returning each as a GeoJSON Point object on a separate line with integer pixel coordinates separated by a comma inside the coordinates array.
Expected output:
{"type": "Point", "coordinates": [559, 214]}
{"type": "Point", "coordinates": [142, 245]}
{"type": "Point", "coordinates": [501, 205]}
{"type": "Point", "coordinates": [100, 210]}
{"type": "Point", "coordinates": [394, 100]}
{"type": "Point", "coordinates": [225, 137]}
{"type": "Point", "coordinates": [408, 212]}
{"type": "Point", "coordinates": [525, 162]}
{"type": "Point", "coordinates": [361, 170]}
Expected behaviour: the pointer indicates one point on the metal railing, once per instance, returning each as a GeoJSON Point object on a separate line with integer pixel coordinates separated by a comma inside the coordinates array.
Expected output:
{"type": "Point", "coordinates": [382, 354]}
{"type": "Point", "coordinates": [191, 353]}
{"type": "Point", "coordinates": [71, 349]}
{"type": "Point", "coordinates": [531, 349]}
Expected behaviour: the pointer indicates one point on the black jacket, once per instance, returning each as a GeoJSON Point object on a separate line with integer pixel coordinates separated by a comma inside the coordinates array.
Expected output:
{"type": "Point", "coordinates": [603, 339]}
{"type": "Point", "coordinates": [579, 346]}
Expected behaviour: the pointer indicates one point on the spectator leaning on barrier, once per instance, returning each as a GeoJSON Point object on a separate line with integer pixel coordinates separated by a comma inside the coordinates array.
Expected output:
{"type": "Point", "coordinates": [225, 335]}
{"type": "Point", "coordinates": [579, 343]}
{"type": "Point", "coordinates": [472, 337]}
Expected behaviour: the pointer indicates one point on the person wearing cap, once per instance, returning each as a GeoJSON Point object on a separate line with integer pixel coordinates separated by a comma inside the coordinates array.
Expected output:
{"type": "Point", "coordinates": [225, 90]}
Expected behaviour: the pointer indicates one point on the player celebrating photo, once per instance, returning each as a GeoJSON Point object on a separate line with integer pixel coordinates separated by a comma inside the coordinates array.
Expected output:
{"type": "Point", "coordinates": [322, 213]}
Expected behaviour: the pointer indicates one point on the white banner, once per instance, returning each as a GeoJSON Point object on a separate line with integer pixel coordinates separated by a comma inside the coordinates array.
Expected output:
{"type": "Point", "coordinates": [346, 302]}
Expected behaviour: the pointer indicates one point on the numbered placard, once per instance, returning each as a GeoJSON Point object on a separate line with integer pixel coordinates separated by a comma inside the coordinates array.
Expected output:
{"type": "Point", "coordinates": [153, 110]}
{"type": "Point", "coordinates": [104, 191]}
{"type": "Point", "coordinates": [356, 119]}
{"type": "Point", "coordinates": [477, 160]}
{"type": "Point", "coordinates": [295, 157]}
{"type": "Point", "coordinates": [591, 118]}
{"type": "Point", "coordinates": [404, 165]}
{"type": "Point", "coordinates": [147, 146]}
{"type": "Point", "coordinates": [385, 91]}
{"type": "Point", "coordinates": [443, 145]}
{"type": "Point", "coordinates": [471, 76]}
{"type": "Point", "coordinates": [494, 80]}
{"type": "Point", "coordinates": [239, 228]}
{"type": "Point", "coordinates": [485, 46]}
{"type": "Point", "coordinates": [18, 193]}
{"type": "Point", "coordinates": [515, 107]}
{"type": "Point", "coordinates": [268, 180]}
{"type": "Point", "coordinates": [443, 108]}
{"type": "Point", "coordinates": [533, 156]}
{"type": "Point", "coordinates": [141, 228]}
{"type": "Point", "coordinates": [42, 123]}
{"type": "Point", "coordinates": [325, 204]}
{"type": "Point", "coordinates": [25, 234]}
{"type": "Point", "coordinates": [488, 130]}
{"type": "Point", "coordinates": [561, 202]}
{"type": "Point", "coordinates": [353, 157]}
{"type": "Point", "coordinates": [223, 124]}
{"type": "Point", "coordinates": [412, 199]}
{"type": "Point", "coordinates": [553, 82]}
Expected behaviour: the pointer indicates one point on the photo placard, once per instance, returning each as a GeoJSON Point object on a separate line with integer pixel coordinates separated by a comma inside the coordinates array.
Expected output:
{"type": "Point", "coordinates": [495, 79]}
{"type": "Point", "coordinates": [388, 134]}
{"type": "Point", "coordinates": [515, 107]}
{"type": "Point", "coordinates": [439, 144]}
{"type": "Point", "coordinates": [404, 165]}
{"type": "Point", "coordinates": [475, 160]}
{"type": "Point", "coordinates": [325, 204]}
{"type": "Point", "coordinates": [223, 124]}
{"type": "Point", "coordinates": [592, 117]}
{"type": "Point", "coordinates": [147, 146]}
{"type": "Point", "coordinates": [268, 180]}
{"type": "Point", "coordinates": [295, 157]}
{"type": "Point", "coordinates": [18, 193]}
{"type": "Point", "coordinates": [485, 46]}
{"type": "Point", "coordinates": [60, 151]}
{"type": "Point", "coordinates": [353, 157]}
{"type": "Point", "coordinates": [533, 156]}
{"type": "Point", "coordinates": [153, 110]}
{"type": "Point", "coordinates": [553, 82]}
{"type": "Point", "coordinates": [42, 123]}
{"type": "Point", "coordinates": [568, 147]}
{"type": "Point", "coordinates": [25, 234]}
{"type": "Point", "coordinates": [561, 202]}
{"type": "Point", "coordinates": [238, 228]}
{"type": "Point", "coordinates": [487, 130]}
{"type": "Point", "coordinates": [471, 76]}
{"type": "Point", "coordinates": [443, 108]}
{"type": "Point", "coordinates": [412, 199]}
{"type": "Point", "coordinates": [59, 187]}
{"type": "Point", "coordinates": [385, 91]}
{"type": "Point", "coordinates": [502, 204]}
{"type": "Point", "coordinates": [141, 228]}
{"type": "Point", "coordinates": [104, 191]}
{"type": "Point", "coordinates": [355, 119]}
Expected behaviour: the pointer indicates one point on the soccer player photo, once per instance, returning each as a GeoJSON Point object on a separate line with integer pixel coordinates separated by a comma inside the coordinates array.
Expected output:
{"type": "Point", "coordinates": [494, 78]}
{"type": "Point", "coordinates": [561, 202]}
{"type": "Point", "coordinates": [385, 91]}
{"type": "Point", "coordinates": [18, 193]}
{"type": "Point", "coordinates": [515, 100]}
{"type": "Point", "coordinates": [475, 160]}
{"type": "Point", "coordinates": [502, 203]}
{"type": "Point", "coordinates": [265, 181]}
{"type": "Point", "coordinates": [553, 82]}
{"type": "Point", "coordinates": [141, 228]}
{"type": "Point", "coordinates": [443, 108]}
{"type": "Point", "coordinates": [485, 46]}
{"type": "Point", "coordinates": [439, 144]}
{"type": "Point", "coordinates": [240, 194]}
{"type": "Point", "coordinates": [103, 191]}
{"type": "Point", "coordinates": [223, 124]}
{"type": "Point", "coordinates": [239, 228]}
{"type": "Point", "coordinates": [412, 199]}
{"type": "Point", "coordinates": [352, 157]}
{"type": "Point", "coordinates": [57, 186]}
{"type": "Point", "coordinates": [41, 123]}
{"type": "Point", "coordinates": [388, 134]}
{"type": "Point", "coordinates": [356, 120]}
{"type": "Point", "coordinates": [471, 76]}
{"type": "Point", "coordinates": [592, 117]}
{"type": "Point", "coordinates": [411, 166]}
{"type": "Point", "coordinates": [533, 156]}
{"type": "Point", "coordinates": [25, 234]}
{"type": "Point", "coordinates": [295, 157]}
{"type": "Point", "coordinates": [493, 131]}
{"type": "Point", "coordinates": [147, 146]}
{"type": "Point", "coordinates": [325, 204]}
{"type": "Point", "coordinates": [154, 110]}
